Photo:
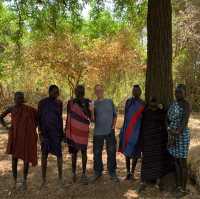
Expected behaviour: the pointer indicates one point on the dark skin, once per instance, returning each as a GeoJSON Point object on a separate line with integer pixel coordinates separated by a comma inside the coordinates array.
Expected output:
{"type": "Point", "coordinates": [153, 106]}
{"type": "Point", "coordinates": [18, 100]}
{"type": "Point", "coordinates": [180, 97]}
{"type": "Point", "coordinates": [136, 92]}
{"type": "Point", "coordinates": [181, 163]}
{"type": "Point", "coordinates": [54, 94]}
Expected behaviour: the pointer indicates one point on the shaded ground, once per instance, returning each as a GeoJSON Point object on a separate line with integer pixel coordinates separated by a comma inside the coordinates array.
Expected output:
{"type": "Point", "coordinates": [103, 189]}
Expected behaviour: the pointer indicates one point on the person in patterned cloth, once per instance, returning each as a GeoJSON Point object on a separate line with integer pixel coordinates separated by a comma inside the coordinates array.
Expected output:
{"type": "Point", "coordinates": [77, 130]}
{"type": "Point", "coordinates": [179, 137]}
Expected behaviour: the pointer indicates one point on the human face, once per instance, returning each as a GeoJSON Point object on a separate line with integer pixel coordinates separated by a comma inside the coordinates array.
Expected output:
{"type": "Point", "coordinates": [19, 99]}
{"type": "Point", "coordinates": [99, 91]}
{"type": "Point", "coordinates": [153, 105]}
{"type": "Point", "coordinates": [80, 92]}
{"type": "Point", "coordinates": [136, 92]}
{"type": "Point", "coordinates": [180, 94]}
{"type": "Point", "coordinates": [54, 93]}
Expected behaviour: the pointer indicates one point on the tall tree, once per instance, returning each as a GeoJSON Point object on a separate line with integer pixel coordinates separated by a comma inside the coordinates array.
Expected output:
{"type": "Point", "coordinates": [159, 82]}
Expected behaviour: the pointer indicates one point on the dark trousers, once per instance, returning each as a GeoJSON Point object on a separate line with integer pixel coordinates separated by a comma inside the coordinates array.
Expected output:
{"type": "Point", "coordinates": [98, 144]}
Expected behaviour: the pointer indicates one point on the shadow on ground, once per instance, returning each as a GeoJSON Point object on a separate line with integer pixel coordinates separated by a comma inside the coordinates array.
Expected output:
{"type": "Point", "coordinates": [102, 189]}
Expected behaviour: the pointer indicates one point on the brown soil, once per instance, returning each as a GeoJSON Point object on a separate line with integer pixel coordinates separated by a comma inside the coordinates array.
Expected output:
{"type": "Point", "coordinates": [104, 188]}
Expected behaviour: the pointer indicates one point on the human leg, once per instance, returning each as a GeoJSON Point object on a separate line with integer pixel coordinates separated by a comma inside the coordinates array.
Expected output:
{"type": "Point", "coordinates": [84, 178]}
{"type": "Point", "coordinates": [111, 156]}
{"type": "Point", "coordinates": [128, 168]}
{"type": "Point", "coordinates": [98, 143]}
{"type": "Point", "coordinates": [74, 162]}
{"type": "Point", "coordinates": [184, 172]}
{"type": "Point", "coordinates": [60, 167]}
{"type": "Point", "coordinates": [14, 170]}
{"type": "Point", "coordinates": [84, 161]}
{"type": "Point", "coordinates": [134, 163]}
{"type": "Point", "coordinates": [44, 166]}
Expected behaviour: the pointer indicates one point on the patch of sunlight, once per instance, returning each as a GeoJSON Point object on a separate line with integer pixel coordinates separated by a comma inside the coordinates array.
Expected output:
{"type": "Point", "coordinates": [4, 165]}
{"type": "Point", "coordinates": [194, 123]}
{"type": "Point", "coordinates": [131, 194]}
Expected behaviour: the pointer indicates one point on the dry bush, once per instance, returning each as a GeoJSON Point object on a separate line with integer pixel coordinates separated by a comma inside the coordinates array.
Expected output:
{"type": "Point", "coordinates": [186, 50]}
{"type": "Point", "coordinates": [111, 57]}
{"type": "Point", "coordinates": [67, 60]}
{"type": "Point", "coordinates": [116, 63]}
{"type": "Point", "coordinates": [194, 158]}
{"type": "Point", "coordinates": [5, 97]}
{"type": "Point", "coordinates": [61, 54]}
{"type": "Point", "coordinates": [194, 164]}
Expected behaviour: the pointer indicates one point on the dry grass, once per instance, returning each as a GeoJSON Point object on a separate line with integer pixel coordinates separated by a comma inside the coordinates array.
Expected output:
{"type": "Point", "coordinates": [103, 189]}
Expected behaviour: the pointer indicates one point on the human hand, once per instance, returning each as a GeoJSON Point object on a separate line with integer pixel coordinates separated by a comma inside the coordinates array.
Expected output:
{"type": "Point", "coordinates": [91, 106]}
{"type": "Point", "coordinates": [41, 138]}
{"type": "Point", "coordinates": [179, 130]}
{"type": "Point", "coordinates": [8, 128]}
{"type": "Point", "coordinates": [113, 127]}
{"type": "Point", "coordinates": [160, 106]}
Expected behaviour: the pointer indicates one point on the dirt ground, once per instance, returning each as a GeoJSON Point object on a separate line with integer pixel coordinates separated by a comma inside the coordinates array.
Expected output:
{"type": "Point", "coordinates": [102, 189]}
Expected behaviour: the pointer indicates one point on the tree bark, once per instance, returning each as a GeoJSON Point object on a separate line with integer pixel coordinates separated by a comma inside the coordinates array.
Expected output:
{"type": "Point", "coordinates": [159, 81]}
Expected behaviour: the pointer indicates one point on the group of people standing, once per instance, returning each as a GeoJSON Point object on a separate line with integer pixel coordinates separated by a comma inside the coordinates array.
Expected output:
{"type": "Point", "coordinates": [157, 135]}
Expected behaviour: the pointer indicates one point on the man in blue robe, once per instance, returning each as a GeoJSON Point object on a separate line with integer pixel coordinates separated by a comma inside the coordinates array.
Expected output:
{"type": "Point", "coordinates": [51, 129]}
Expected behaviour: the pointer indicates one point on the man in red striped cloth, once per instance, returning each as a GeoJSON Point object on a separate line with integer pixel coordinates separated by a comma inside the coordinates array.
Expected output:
{"type": "Point", "coordinates": [77, 129]}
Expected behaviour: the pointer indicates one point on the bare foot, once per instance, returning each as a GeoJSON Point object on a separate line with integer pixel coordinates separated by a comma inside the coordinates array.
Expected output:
{"type": "Point", "coordinates": [24, 185]}
{"type": "Point", "coordinates": [129, 177]}
{"type": "Point", "coordinates": [61, 182]}
{"type": "Point", "coordinates": [43, 185]}
{"type": "Point", "coordinates": [14, 184]}
{"type": "Point", "coordinates": [73, 177]}
{"type": "Point", "coordinates": [141, 187]}
{"type": "Point", "coordinates": [84, 179]}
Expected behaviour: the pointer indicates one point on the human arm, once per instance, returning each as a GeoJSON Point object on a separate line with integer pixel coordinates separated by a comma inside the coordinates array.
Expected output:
{"type": "Point", "coordinates": [3, 115]}
{"type": "Point", "coordinates": [67, 122]}
{"type": "Point", "coordinates": [114, 122]}
{"type": "Point", "coordinates": [166, 116]}
{"type": "Point", "coordinates": [126, 107]}
{"type": "Point", "coordinates": [187, 110]}
{"type": "Point", "coordinates": [114, 116]}
{"type": "Point", "coordinates": [90, 110]}
{"type": "Point", "coordinates": [61, 116]}
{"type": "Point", "coordinates": [39, 115]}
{"type": "Point", "coordinates": [91, 107]}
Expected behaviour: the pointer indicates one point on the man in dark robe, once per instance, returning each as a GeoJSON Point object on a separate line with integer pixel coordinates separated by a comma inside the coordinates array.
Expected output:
{"type": "Point", "coordinates": [153, 141]}
{"type": "Point", "coordinates": [51, 129]}
{"type": "Point", "coordinates": [22, 138]}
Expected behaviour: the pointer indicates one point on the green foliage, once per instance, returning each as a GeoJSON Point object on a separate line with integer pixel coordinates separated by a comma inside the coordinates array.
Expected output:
{"type": "Point", "coordinates": [25, 25]}
{"type": "Point", "coordinates": [132, 13]}
{"type": "Point", "coordinates": [102, 25]}
{"type": "Point", "coordinates": [44, 42]}
{"type": "Point", "coordinates": [186, 47]}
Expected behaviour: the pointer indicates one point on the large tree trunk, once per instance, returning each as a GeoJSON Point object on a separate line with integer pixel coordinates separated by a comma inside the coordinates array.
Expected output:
{"type": "Point", "coordinates": [159, 82]}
